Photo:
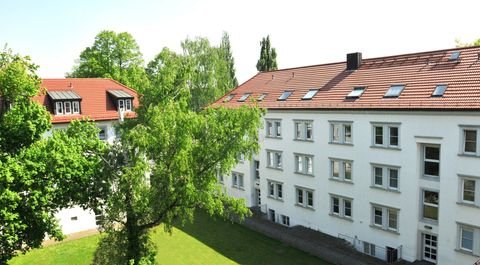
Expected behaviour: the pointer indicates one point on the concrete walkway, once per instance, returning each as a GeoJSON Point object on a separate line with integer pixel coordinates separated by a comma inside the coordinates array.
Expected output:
{"type": "Point", "coordinates": [328, 248]}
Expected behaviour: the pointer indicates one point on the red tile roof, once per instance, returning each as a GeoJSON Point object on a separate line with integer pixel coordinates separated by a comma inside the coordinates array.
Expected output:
{"type": "Point", "coordinates": [419, 72]}
{"type": "Point", "coordinates": [95, 103]}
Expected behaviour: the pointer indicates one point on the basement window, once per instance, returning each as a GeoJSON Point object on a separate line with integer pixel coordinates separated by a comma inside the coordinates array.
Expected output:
{"type": "Point", "coordinates": [394, 91]}
{"type": "Point", "coordinates": [285, 95]}
{"type": "Point", "coordinates": [229, 97]}
{"type": "Point", "coordinates": [356, 92]}
{"type": "Point", "coordinates": [262, 96]}
{"type": "Point", "coordinates": [310, 94]}
{"type": "Point", "coordinates": [244, 97]}
{"type": "Point", "coordinates": [439, 90]}
{"type": "Point", "coordinates": [454, 56]}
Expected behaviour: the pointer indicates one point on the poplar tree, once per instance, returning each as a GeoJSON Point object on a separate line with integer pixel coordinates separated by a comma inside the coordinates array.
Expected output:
{"type": "Point", "coordinates": [268, 56]}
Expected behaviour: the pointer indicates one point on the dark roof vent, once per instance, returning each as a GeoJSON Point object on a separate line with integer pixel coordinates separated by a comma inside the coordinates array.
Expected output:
{"type": "Point", "coordinates": [354, 60]}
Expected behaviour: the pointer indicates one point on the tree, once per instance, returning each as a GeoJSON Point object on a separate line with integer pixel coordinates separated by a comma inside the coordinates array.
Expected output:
{"type": "Point", "coordinates": [460, 44]}
{"type": "Point", "coordinates": [227, 57]}
{"type": "Point", "coordinates": [268, 56]}
{"type": "Point", "coordinates": [39, 175]}
{"type": "Point", "coordinates": [115, 56]}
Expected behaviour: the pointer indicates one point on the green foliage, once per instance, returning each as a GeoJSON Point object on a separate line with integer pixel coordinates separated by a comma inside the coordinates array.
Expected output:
{"type": "Point", "coordinates": [227, 57]}
{"type": "Point", "coordinates": [115, 56]}
{"type": "Point", "coordinates": [460, 44]}
{"type": "Point", "coordinates": [268, 56]}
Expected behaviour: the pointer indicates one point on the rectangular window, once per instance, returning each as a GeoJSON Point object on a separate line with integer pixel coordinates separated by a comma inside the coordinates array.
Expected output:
{"type": "Point", "coordinates": [340, 206]}
{"type": "Point", "coordinates": [128, 104]}
{"type": "Point", "coordinates": [58, 108]}
{"type": "Point", "coordinates": [394, 91]}
{"type": "Point", "coordinates": [273, 128]}
{"type": "Point", "coordinates": [68, 107]}
{"type": "Point", "coordinates": [284, 220]}
{"type": "Point", "coordinates": [385, 177]}
{"type": "Point", "coordinates": [385, 135]}
{"type": "Point", "coordinates": [275, 189]}
{"type": "Point", "coordinates": [244, 97]}
{"type": "Point", "coordinates": [385, 218]}
{"type": "Point", "coordinates": [304, 164]}
{"type": "Point", "coordinates": [471, 141]}
{"type": "Point", "coordinates": [257, 169]}
{"type": "Point", "coordinates": [468, 239]}
{"type": "Point", "coordinates": [430, 204]}
{"type": "Point", "coordinates": [355, 93]}
{"type": "Point", "coordinates": [341, 169]}
{"type": "Point", "coordinates": [304, 130]}
{"type": "Point", "coordinates": [310, 94]}
{"type": "Point", "coordinates": [102, 134]}
{"type": "Point", "coordinates": [76, 107]}
{"type": "Point", "coordinates": [274, 159]}
{"type": "Point", "coordinates": [237, 180]}
{"type": "Point", "coordinates": [304, 197]}
{"type": "Point", "coordinates": [121, 105]}
{"type": "Point", "coordinates": [431, 161]}
{"type": "Point", "coordinates": [369, 249]}
{"type": "Point", "coordinates": [341, 132]}
{"type": "Point", "coordinates": [285, 95]}
{"type": "Point", "coordinates": [469, 190]}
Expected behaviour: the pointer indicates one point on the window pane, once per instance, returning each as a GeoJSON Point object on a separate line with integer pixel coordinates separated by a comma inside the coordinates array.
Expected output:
{"type": "Point", "coordinates": [393, 136]}
{"type": "Point", "coordinates": [431, 168]}
{"type": "Point", "coordinates": [470, 141]}
{"type": "Point", "coordinates": [432, 153]}
{"type": "Point", "coordinates": [336, 205]}
{"type": "Point", "coordinates": [309, 130]}
{"type": "Point", "coordinates": [469, 190]}
{"type": "Point", "coordinates": [299, 163]}
{"type": "Point", "coordinates": [377, 216]}
{"type": "Point", "coordinates": [392, 219]}
{"type": "Point", "coordinates": [348, 133]}
{"type": "Point", "coordinates": [379, 135]}
{"type": "Point", "coordinates": [335, 132]}
{"type": "Point", "coordinates": [378, 176]}
{"type": "Point", "coordinates": [467, 239]}
{"type": "Point", "coordinates": [430, 212]}
{"type": "Point", "coordinates": [269, 128]}
{"type": "Point", "coordinates": [299, 196]}
{"type": "Point", "coordinates": [430, 197]}
{"type": "Point", "coordinates": [348, 170]}
{"type": "Point", "coordinates": [279, 159]}
{"type": "Point", "coordinates": [271, 189]}
{"type": "Point", "coordinates": [309, 164]}
{"type": "Point", "coordinates": [335, 169]}
{"type": "Point", "coordinates": [279, 190]}
{"type": "Point", "coordinates": [347, 208]}
{"type": "Point", "coordinates": [393, 178]}
{"type": "Point", "coordinates": [298, 130]}
{"type": "Point", "coordinates": [310, 198]}
{"type": "Point", "coordinates": [278, 128]}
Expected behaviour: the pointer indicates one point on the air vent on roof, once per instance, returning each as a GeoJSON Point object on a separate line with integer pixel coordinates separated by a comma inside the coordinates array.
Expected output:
{"type": "Point", "coordinates": [285, 95]}
{"type": "Point", "coordinates": [244, 97]}
{"type": "Point", "coordinates": [454, 56]}
{"type": "Point", "coordinates": [262, 96]}
{"type": "Point", "coordinates": [354, 60]}
{"type": "Point", "coordinates": [356, 92]}
{"type": "Point", "coordinates": [394, 91]}
{"type": "Point", "coordinates": [439, 90]}
{"type": "Point", "coordinates": [310, 94]}
{"type": "Point", "coordinates": [229, 97]}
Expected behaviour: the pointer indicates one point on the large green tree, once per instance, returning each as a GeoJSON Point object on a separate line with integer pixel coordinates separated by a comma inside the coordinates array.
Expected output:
{"type": "Point", "coordinates": [268, 56]}
{"type": "Point", "coordinates": [466, 44]}
{"type": "Point", "coordinates": [39, 175]}
{"type": "Point", "coordinates": [112, 55]}
{"type": "Point", "coordinates": [227, 57]}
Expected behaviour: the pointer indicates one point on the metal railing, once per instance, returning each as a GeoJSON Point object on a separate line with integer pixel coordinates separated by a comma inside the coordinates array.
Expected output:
{"type": "Point", "coordinates": [387, 254]}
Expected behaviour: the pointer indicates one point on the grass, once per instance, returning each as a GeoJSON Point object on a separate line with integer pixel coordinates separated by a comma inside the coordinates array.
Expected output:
{"type": "Point", "coordinates": [206, 241]}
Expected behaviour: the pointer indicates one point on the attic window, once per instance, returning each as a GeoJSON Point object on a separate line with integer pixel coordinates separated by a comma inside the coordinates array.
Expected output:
{"type": "Point", "coordinates": [454, 56]}
{"type": "Point", "coordinates": [262, 96]}
{"type": "Point", "coordinates": [65, 102]}
{"type": "Point", "coordinates": [356, 92]}
{"type": "Point", "coordinates": [394, 91]}
{"type": "Point", "coordinates": [229, 97]}
{"type": "Point", "coordinates": [439, 90]}
{"type": "Point", "coordinates": [285, 95]}
{"type": "Point", "coordinates": [310, 94]}
{"type": "Point", "coordinates": [244, 97]}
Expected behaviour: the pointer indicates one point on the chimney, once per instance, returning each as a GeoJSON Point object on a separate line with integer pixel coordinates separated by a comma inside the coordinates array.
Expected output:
{"type": "Point", "coordinates": [354, 60]}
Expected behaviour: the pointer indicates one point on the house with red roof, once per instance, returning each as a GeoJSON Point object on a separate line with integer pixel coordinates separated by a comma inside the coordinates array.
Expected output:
{"type": "Point", "coordinates": [381, 152]}
{"type": "Point", "coordinates": [106, 102]}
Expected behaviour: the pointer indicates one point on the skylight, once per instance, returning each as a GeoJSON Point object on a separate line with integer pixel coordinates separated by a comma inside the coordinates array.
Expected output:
{"type": "Point", "coordinates": [394, 91]}
{"type": "Point", "coordinates": [262, 96]}
{"type": "Point", "coordinates": [439, 90]}
{"type": "Point", "coordinates": [356, 92]}
{"type": "Point", "coordinates": [310, 94]}
{"type": "Point", "coordinates": [285, 95]}
{"type": "Point", "coordinates": [454, 56]}
{"type": "Point", "coordinates": [244, 97]}
{"type": "Point", "coordinates": [229, 97]}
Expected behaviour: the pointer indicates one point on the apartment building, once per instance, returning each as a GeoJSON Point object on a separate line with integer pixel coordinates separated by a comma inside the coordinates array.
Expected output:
{"type": "Point", "coordinates": [104, 101]}
{"type": "Point", "coordinates": [382, 152]}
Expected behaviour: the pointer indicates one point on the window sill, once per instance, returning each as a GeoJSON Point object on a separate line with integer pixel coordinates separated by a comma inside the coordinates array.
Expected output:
{"type": "Point", "coordinates": [341, 217]}
{"type": "Point", "coordinates": [385, 230]}
{"type": "Point", "coordinates": [341, 180]}
{"type": "Point", "coordinates": [340, 143]}
{"type": "Point", "coordinates": [238, 188]}
{"type": "Point", "coordinates": [304, 140]}
{"type": "Point", "coordinates": [384, 189]}
{"type": "Point", "coordinates": [428, 221]}
{"type": "Point", "coordinates": [386, 147]}
{"type": "Point", "coordinates": [304, 174]}
{"type": "Point", "coordinates": [469, 204]}
{"type": "Point", "coordinates": [469, 155]}
{"type": "Point", "coordinates": [274, 137]}
{"type": "Point", "coordinates": [276, 168]}
{"type": "Point", "coordinates": [305, 207]}
{"type": "Point", "coordinates": [274, 198]}
{"type": "Point", "coordinates": [466, 252]}
{"type": "Point", "coordinates": [430, 178]}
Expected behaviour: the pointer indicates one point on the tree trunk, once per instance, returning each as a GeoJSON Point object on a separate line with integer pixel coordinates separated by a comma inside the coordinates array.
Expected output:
{"type": "Point", "coordinates": [133, 233]}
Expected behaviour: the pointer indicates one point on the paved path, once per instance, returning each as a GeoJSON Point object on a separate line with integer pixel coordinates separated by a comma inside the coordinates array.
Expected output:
{"type": "Point", "coordinates": [328, 248]}
{"type": "Point", "coordinates": [49, 242]}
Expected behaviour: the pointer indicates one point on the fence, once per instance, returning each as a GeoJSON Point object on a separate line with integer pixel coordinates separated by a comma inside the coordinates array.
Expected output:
{"type": "Point", "coordinates": [387, 254]}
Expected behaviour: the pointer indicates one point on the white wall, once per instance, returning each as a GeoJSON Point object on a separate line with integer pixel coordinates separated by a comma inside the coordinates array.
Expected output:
{"type": "Point", "coordinates": [416, 128]}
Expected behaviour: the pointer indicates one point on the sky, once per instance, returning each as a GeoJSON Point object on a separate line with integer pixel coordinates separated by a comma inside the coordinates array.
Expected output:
{"type": "Point", "coordinates": [54, 32]}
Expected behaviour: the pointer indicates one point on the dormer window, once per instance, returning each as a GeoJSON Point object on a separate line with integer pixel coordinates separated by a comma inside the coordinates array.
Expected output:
{"type": "Point", "coordinates": [125, 104]}
{"type": "Point", "coordinates": [394, 91]}
{"type": "Point", "coordinates": [122, 100]}
{"type": "Point", "coordinates": [65, 102]}
{"type": "Point", "coordinates": [285, 95]}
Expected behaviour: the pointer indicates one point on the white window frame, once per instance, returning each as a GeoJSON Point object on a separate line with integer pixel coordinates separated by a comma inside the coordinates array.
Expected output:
{"type": "Point", "coordinates": [302, 164]}
{"type": "Point", "coordinates": [275, 190]}
{"type": "Point", "coordinates": [307, 196]}
{"type": "Point", "coordinates": [121, 105]}
{"type": "Point", "coordinates": [128, 105]}
{"type": "Point", "coordinates": [475, 250]}
{"type": "Point", "coordinates": [302, 129]}
{"type": "Point", "coordinates": [237, 180]}
{"type": "Point", "coordinates": [338, 132]}
{"type": "Point", "coordinates": [386, 135]}
{"type": "Point", "coordinates": [386, 217]}
{"type": "Point", "coordinates": [273, 128]}
{"type": "Point", "coordinates": [433, 205]}
{"type": "Point", "coordinates": [463, 136]}
{"type": "Point", "coordinates": [75, 107]}
{"type": "Point", "coordinates": [274, 159]}
{"type": "Point", "coordinates": [476, 190]}
{"type": "Point", "coordinates": [284, 220]}
{"type": "Point", "coordinates": [386, 177]}
{"type": "Point", "coordinates": [59, 108]}
{"type": "Point", "coordinates": [342, 166]}
{"type": "Point", "coordinates": [342, 206]}
{"type": "Point", "coordinates": [105, 134]}
{"type": "Point", "coordinates": [425, 160]}
{"type": "Point", "coordinates": [67, 110]}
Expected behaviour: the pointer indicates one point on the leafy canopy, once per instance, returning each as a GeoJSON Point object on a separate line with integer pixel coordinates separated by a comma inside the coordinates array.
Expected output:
{"type": "Point", "coordinates": [268, 56]}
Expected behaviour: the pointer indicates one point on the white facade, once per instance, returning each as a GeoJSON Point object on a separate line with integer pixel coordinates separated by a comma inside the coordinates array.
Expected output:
{"type": "Point", "coordinates": [377, 193]}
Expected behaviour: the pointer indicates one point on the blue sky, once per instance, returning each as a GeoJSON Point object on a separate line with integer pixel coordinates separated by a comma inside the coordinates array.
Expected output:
{"type": "Point", "coordinates": [304, 32]}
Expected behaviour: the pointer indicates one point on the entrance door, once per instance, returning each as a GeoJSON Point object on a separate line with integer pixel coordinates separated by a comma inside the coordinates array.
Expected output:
{"type": "Point", "coordinates": [259, 199]}
{"type": "Point", "coordinates": [430, 248]}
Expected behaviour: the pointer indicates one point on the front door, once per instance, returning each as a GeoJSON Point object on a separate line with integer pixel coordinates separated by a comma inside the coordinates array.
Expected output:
{"type": "Point", "coordinates": [429, 247]}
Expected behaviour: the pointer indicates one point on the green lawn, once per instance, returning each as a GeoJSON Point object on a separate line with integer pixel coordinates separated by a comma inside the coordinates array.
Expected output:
{"type": "Point", "coordinates": [206, 241]}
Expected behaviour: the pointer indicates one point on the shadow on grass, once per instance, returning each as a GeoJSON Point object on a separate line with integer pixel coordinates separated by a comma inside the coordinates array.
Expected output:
{"type": "Point", "coordinates": [243, 245]}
